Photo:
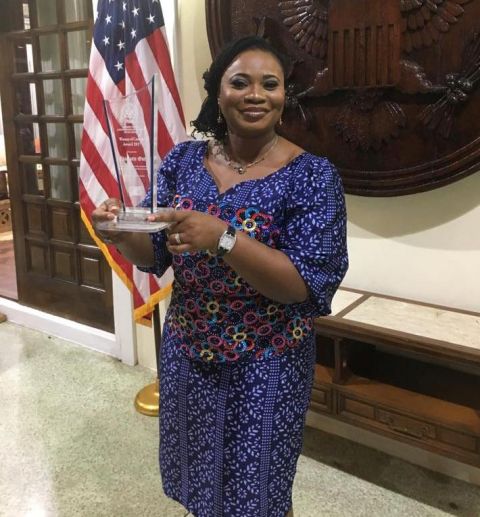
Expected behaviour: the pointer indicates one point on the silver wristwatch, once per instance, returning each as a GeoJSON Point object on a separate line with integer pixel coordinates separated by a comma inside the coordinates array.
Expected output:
{"type": "Point", "coordinates": [227, 241]}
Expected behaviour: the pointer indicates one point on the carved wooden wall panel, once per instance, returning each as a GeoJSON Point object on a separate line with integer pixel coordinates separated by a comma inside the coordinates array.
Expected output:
{"type": "Point", "coordinates": [387, 89]}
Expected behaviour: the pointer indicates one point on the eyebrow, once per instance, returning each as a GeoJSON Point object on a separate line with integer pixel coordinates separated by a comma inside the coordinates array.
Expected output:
{"type": "Point", "coordinates": [265, 76]}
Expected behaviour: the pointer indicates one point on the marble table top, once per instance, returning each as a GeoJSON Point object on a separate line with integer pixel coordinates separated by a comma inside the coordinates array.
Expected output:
{"type": "Point", "coordinates": [408, 317]}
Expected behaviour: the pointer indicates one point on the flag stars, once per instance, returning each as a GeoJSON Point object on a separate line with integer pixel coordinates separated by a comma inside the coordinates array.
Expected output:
{"type": "Point", "coordinates": [135, 11]}
{"type": "Point", "coordinates": [121, 45]}
{"type": "Point", "coordinates": [151, 18]}
{"type": "Point", "coordinates": [133, 33]}
{"type": "Point", "coordinates": [124, 6]}
{"type": "Point", "coordinates": [122, 24]}
{"type": "Point", "coordinates": [118, 66]}
{"type": "Point", "coordinates": [108, 19]}
{"type": "Point", "coordinates": [106, 40]}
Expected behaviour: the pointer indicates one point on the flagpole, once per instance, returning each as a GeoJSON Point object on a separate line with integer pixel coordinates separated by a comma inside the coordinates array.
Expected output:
{"type": "Point", "coordinates": [147, 400]}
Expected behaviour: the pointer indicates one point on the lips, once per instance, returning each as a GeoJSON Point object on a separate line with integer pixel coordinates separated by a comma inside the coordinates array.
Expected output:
{"type": "Point", "coordinates": [253, 113]}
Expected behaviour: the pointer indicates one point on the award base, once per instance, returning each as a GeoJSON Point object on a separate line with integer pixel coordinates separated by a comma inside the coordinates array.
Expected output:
{"type": "Point", "coordinates": [133, 220]}
{"type": "Point", "coordinates": [130, 226]}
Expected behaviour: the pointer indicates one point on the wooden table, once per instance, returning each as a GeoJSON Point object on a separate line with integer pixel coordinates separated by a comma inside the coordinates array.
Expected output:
{"type": "Point", "coordinates": [402, 369]}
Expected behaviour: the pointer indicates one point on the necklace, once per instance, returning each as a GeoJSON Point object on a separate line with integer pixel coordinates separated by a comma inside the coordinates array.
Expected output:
{"type": "Point", "coordinates": [238, 167]}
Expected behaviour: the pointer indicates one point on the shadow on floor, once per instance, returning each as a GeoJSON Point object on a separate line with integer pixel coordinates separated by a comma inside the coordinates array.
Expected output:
{"type": "Point", "coordinates": [436, 490]}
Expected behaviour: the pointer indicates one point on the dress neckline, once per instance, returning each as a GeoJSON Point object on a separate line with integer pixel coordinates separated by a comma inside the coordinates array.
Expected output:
{"type": "Point", "coordinates": [203, 156]}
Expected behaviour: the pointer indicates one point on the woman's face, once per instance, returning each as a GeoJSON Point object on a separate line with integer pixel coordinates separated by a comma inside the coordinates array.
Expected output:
{"type": "Point", "coordinates": [252, 93]}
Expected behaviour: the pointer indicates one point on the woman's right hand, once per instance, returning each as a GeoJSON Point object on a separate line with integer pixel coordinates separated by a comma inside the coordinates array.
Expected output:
{"type": "Point", "coordinates": [134, 246]}
{"type": "Point", "coordinates": [105, 212]}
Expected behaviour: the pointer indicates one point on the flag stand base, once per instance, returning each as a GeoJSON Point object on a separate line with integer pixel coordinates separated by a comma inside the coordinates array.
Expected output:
{"type": "Point", "coordinates": [147, 400]}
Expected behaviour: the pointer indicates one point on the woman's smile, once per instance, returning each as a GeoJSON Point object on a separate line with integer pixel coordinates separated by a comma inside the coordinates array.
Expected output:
{"type": "Point", "coordinates": [254, 114]}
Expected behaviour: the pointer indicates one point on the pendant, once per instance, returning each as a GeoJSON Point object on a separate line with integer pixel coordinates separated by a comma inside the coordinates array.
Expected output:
{"type": "Point", "coordinates": [241, 170]}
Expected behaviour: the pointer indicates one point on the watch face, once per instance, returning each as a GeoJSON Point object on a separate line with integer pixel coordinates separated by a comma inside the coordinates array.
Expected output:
{"type": "Point", "coordinates": [227, 241]}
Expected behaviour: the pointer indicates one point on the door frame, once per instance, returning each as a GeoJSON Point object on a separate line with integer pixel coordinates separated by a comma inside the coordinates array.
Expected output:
{"type": "Point", "coordinates": [122, 344]}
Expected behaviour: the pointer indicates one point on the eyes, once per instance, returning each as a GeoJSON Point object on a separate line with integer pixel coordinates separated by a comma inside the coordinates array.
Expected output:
{"type": "Point", "coordinates": [239, 83]}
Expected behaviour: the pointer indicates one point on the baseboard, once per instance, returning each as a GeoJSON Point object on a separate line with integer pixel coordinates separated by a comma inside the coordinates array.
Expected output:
{"type": "Point", "coordinates": [89, 337]}
{"type": "Point", "coordinates": [404, 451]}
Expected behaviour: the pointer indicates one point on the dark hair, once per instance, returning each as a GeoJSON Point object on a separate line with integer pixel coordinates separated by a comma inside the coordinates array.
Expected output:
{"type": "Point", "coordinates": [207, 120]}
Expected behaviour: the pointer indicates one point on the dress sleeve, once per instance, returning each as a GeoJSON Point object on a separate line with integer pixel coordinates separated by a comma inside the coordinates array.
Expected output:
{"type": "Point", "coordinates": [166, 189]}
{"type": "Point", "coordinates": [314, 234]}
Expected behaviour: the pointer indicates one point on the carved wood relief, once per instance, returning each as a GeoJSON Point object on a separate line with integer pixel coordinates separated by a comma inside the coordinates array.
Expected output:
{"type": "Point", "coordinates": [387, 89]}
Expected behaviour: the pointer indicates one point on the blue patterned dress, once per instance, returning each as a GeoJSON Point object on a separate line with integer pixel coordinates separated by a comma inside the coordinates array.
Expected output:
{"type": "Point", "coordinates": [236, 368]}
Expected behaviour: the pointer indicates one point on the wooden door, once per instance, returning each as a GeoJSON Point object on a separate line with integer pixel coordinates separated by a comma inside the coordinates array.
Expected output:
{"type": "Point", "coordinates": [45, 46]}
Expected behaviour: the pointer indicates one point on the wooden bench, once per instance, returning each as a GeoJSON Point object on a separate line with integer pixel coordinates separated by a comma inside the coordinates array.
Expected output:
{"type": "Point", "coordinates": [403, 369]}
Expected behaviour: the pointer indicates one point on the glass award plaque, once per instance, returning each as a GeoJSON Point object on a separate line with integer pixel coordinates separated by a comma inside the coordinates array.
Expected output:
{"type": "Point", "coordinates": [132, 130]}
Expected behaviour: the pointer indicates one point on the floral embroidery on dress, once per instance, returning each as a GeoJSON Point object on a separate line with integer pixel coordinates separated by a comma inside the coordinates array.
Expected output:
{"type": "Point", "coordinates": [214, 315]}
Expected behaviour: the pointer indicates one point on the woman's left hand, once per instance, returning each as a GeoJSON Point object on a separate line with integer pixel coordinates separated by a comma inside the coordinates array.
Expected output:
{"type": "Point", "coordinates": [190, 230]}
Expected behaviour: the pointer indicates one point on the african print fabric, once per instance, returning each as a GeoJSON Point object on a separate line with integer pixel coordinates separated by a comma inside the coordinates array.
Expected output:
{"type": "Point", "coordinates": [214, 315]}
{"type": "Point", "coordinates": [236, 368]}
{"type": "Point", "coordinates": [231, 435]}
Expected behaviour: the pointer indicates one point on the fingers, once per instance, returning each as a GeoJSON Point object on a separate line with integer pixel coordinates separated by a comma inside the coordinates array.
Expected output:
{"type": "Point", "coordinates": [176, 232]}
{"type": "Point", "coordinates": [112, 205]}
{"type": "Point", "coordinates": [169, 215]}
{"type": "Point", "coordinates": [178, 248]}
{"type": "Point", "coordinates": [107, 210]}
{"type": "Point", "coordinates": [176, 238]}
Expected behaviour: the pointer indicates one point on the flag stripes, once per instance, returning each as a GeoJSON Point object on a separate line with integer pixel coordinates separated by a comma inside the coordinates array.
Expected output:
{"type": "Point", "coordinates": [129, 48]}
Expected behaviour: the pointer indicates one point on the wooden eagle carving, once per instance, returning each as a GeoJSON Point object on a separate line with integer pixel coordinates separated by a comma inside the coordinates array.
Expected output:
{"type": "Point", "coordinates": [364, 49]}
{"type": "Point", "coordinates": [421, 22]}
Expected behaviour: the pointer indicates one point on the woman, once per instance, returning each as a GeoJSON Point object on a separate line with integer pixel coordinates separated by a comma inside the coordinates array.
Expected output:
{"type": "Point", "coordinates": [257, 244]}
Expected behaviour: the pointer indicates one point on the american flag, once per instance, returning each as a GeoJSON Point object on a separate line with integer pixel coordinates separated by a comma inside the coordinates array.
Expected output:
{"type": "Point", "coordinates": [129, 47]}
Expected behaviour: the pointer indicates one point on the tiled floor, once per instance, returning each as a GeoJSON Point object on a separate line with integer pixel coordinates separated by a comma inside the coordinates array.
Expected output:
{"type": "Point", "coordinates": [8, 280]}
{"type": "Point", "coordinates": [71, 444]}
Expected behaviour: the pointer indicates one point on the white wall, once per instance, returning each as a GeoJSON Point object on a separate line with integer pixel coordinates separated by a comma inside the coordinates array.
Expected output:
{"type": "Point", "coordinates": [194, 53]}
{"type": "Point", "coordinates": [424, 246]}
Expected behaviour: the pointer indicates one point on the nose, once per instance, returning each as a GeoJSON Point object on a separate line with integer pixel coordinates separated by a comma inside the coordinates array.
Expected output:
{"type": "Point", "coordinates": [255, 94]}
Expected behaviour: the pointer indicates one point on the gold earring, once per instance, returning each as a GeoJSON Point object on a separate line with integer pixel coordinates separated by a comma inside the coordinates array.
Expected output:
{"type": "Point", "coordinates": [280, 122]}
{"type": "Point", "coordinates": [219, 117]}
